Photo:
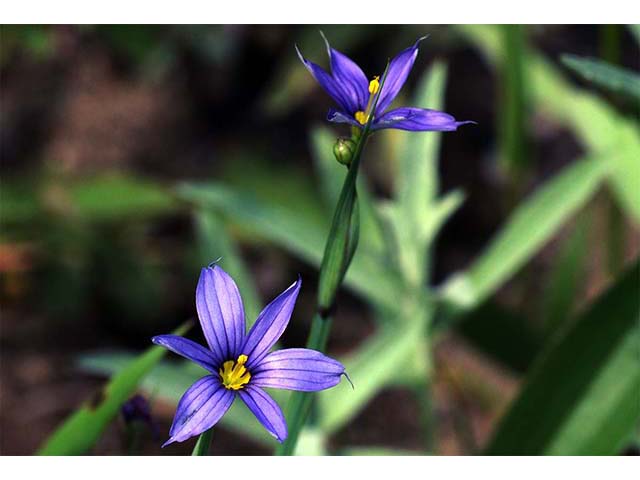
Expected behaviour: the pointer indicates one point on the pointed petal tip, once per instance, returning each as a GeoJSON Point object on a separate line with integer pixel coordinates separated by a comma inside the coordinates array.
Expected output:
{"type": "Point", "coordinates": [168, 442]}
{"type": "Point", "coordinates": [346, 375]}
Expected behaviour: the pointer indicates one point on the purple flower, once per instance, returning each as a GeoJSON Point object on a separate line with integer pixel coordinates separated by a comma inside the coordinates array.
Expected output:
{"type": "Point", "coordinates": [349, 88]}
{"type": "Point", "coordinates": [240, 363]}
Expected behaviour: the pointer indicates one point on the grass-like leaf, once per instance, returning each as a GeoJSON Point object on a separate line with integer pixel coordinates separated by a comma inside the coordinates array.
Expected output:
{"type": "Point", "coordinates": [602, 130]}
{"type": "Point", "coordinates": [603, 74]}
{"type": "Point", "coordinates": [532, 224]}
{"type": "Point", "coordinates": [581, 397]}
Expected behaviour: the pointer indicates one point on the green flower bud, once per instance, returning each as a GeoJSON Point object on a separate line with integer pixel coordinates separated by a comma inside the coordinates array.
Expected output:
{"type": "Point", "coordinates": [343, 149]}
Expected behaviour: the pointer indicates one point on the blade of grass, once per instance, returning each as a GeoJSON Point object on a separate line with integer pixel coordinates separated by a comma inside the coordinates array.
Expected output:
{"type": "Point", "coordinates": [581, 397]}
{"type": "Point", "coordinates": [531, 225]}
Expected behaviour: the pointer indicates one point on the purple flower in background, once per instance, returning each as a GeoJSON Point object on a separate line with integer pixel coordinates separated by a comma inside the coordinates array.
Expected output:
{"type": "Point", "coordinates": [349, 88]}
{"type": "Point", "coordinates": [240, 363]}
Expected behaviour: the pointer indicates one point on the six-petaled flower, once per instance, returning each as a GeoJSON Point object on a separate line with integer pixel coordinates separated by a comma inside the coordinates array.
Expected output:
{"type": "Point", "coordinates": [240, 364]}
{"type": "Point", "coordinates": [349, 88]}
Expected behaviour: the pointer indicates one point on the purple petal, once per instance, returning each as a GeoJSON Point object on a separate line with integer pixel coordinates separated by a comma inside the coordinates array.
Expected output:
{"type": "Point", "coordinates": [417, 120]}
{"type": "Point", "coordinates": [220, 311]}
{"type": "Point", "coordinates": [399, 69]}
{"type": "Point", "coordinates": [297, 369]}
{"type": "Point", "coordinates": [200, 408]}
{"type": "Point", "coordinates": [270, 324]}
{"type": "Point", "coordinates": [336, 116]}
{"type": "Point", "coordinates": [334, 88]}
{"type": "Point", "coordinates": [266, 411]}
{"type": "Point", "coordinates": [348, 74]}
{"type": "Point", "coordinates": [188, 349]}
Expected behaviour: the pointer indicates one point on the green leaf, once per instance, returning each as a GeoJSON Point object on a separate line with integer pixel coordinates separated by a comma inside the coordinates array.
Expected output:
{"type": "Point", "coordinates": [203, 445]}
{"type": "Point", "coordinates": [564, 278]}
{"type": "Point", "coordinates": [416, 216]}
{"type": "Point", "coordinates": [391, 355]}
{"type": "Point", "coordinates": [612, 78]}
{"type": "Point", "coordinates": [532, 224]}
{"type": "Point", "coordinates": [581, 397]}
{"type": "Point", "coordinates": [79, 433]}
{"type": "Point", "coordinates": [292, 229]}
{"type": "Point", "coordinates": [378, 452]}
{"type": "Point", "coordinates": [603, 131]}
{"type": "Point", "coordinates": [501, 334]}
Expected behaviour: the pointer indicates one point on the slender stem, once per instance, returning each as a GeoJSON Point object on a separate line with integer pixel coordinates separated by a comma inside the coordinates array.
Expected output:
{"type": "Point", "coordinates": [609, 39]}
{"type": "Point", "coordinates": [300, 402]}
{"type": "Point", "coordinates": [338, 253]}
{"type": "Point", "coordinates": [513, 154]}
{"type": "Point", "coordinates": [203, 444]}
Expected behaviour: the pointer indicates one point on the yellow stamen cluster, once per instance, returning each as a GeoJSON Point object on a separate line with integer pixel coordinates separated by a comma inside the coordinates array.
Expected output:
{"type": "Point", "coordinates": [234, 375]}
{"type": "Point", "coordinates": [362, 117]}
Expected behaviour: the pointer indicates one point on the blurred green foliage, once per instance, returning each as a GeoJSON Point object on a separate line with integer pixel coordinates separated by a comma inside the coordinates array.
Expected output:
{"type": "Point", "coordinates": [587, 358]}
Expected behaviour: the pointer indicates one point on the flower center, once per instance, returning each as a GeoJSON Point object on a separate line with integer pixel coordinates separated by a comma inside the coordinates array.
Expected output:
{"type": "Point", "coordinates": [362, 117]}
{"type": "Point", "coordinates": [234, 375]}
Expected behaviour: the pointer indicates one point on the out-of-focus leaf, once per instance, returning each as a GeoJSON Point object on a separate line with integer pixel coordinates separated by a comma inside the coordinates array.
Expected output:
{"type": "Point", "coordinates": [213, 243]}
{"type": "Point", "coordinates": [582, 396]}
{"type": "Point", "coordinates": [378, 452]}
{"type": "Point", "coordinates": [101, 198]}
{"type": "Point", "coordinates": [564, 278]}
{"type": "Point", "coordinates": [635, 31]}
{"type": "Point", "coordinates": [606, 133]}
{"type": "Point", "coordinates": [605, 75]}
{"type": "Point", "coordinates": [417, 216]}
{"type": "Point", "coordinates": [512, 117]}
{"type": "Point", "coordinates": [375, 365]}
{"type": "Point", "coordinates": [82, 429]}
{"type": "Point", "coordinates": [169, 380]}
{"type": "Point", "coordinates": [501, 334]}
{"type": "Point", "coordinates": [292, 229]}
{"type": "Point", "coordinates": [111, 197]}
{"type": "Point", "coordinates": [532, 224]}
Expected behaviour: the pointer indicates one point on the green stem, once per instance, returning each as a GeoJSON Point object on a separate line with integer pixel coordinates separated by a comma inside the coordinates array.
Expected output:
{"type": "Point", "coordinates": [338, 253]}
{"type": "Point", "coordinates": [609, 39]}
{"type": "Point", "coordinates": [513, 151]}
{"type": "Point", "coordinates": [203, 444]}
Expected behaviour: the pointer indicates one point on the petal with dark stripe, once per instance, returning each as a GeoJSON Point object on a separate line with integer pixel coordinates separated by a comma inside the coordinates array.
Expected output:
{"type": "Point", "coordinates": [348, 74]}
{"type": "Point", "coordinates": [399, 69]}
{"type": "Point", "coordinates": [200, 408]}
{"type": "Point", "coordinates": [297, 369]}
{"type": "Point", "coordinates": [270, 324]}
{"type": "Point", "coordinates": [335, 90]}
{"type": "Point", "coordinates": [220, 311]}
{"type": "Point", "coordinates": [340, 117]}
{"type": "Point", "coordinates": [188, 349]}
{"type": "Point", "coordinates": [266, 410]}
{"type": "Point", "coordinates": [417, 120]}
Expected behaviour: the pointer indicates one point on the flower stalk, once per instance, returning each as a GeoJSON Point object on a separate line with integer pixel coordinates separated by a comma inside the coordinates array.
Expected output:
{"type": "Point", "coordinates": [203, 444]}
{"type": "Point", "coordinates": [339, 250]}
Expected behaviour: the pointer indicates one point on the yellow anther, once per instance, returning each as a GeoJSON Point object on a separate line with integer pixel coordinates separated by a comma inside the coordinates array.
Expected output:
{"type": "Point", "coordinates": [233, 374]}
{"type": "Point", "coordinates": [374, 85]}
{"type": "Point", "coordinates": [361, 117]}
